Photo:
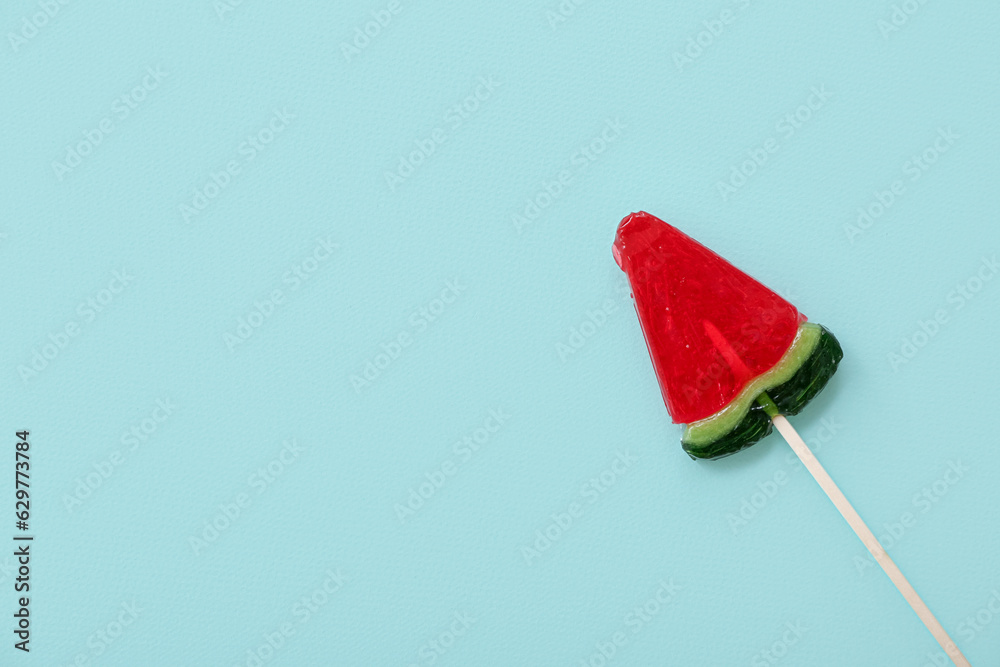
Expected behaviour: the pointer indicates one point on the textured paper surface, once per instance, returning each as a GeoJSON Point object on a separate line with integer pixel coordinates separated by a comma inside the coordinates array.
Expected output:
{"type": "Point", "coordinates": [514, 375]}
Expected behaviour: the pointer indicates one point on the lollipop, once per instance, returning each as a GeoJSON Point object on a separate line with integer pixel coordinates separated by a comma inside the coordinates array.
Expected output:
{"type": "Point", "coordinates": [732, 359]}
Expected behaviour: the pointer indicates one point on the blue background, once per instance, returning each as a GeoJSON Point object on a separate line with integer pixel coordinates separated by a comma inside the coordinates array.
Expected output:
{"type": "Point", "coordinates": [129, 535]}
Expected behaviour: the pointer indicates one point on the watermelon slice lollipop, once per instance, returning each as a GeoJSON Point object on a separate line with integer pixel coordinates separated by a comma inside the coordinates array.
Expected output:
{"type": "Point", "coordinates": [732, 359]}
{"type": "Point", "coordinates": [718, 339]}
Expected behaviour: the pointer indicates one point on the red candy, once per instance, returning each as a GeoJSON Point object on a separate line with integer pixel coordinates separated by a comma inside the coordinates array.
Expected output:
{"type": "Point", "coordinates": [709, 327]}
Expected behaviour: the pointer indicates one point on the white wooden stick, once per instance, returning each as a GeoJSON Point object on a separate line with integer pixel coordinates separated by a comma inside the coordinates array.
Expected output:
{"type": "Point", "coordinates": [861, 530]}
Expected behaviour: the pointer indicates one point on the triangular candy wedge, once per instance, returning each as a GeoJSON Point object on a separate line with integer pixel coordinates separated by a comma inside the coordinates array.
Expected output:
{"type": "Point", "coordinates": [718, 338]}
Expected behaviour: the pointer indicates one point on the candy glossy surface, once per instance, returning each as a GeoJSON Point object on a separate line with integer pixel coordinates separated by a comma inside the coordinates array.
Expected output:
{"type": "Point", "coordinates": [710, 328]}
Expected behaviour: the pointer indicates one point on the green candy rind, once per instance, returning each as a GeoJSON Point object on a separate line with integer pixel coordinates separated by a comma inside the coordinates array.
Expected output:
{"type": "Point", "coordinates": [792, 383]}
{"type": "Point", "coordinates": [795, 394]}
{"type": "Point", "coordinates": [752, 428]}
